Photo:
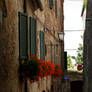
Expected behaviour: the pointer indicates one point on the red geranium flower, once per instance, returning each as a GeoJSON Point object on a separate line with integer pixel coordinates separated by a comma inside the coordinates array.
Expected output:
{"type": "Point", "coordinates": [35, 69]}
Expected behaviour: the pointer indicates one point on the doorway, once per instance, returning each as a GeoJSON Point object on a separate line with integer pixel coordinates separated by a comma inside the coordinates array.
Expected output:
{"type": "Point", "coordinates": [77, 86]}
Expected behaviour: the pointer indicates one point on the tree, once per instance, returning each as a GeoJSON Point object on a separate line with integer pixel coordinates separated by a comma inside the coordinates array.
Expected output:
{"type": "Point", "coordinates": [79, 58]}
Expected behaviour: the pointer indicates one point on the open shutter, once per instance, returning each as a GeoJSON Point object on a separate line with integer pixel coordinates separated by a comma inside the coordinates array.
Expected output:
{"type": "Point", "coordinates": [51, 53]}
{"type": "Point", "coordinates": [56, 57]}
{"type": "Point", "coordinates": [65, 60]}
{"type": "Point", "coordinates": [56, 8]}
{"type": "Point", "coordinates": [60, 15]}
{"type": "Point", "coordinates": [42, 45]}
{"type": "Point", "coordinates": [50, 4]}
{"type": "Point", "coordinates": [23, 36]}
{"type": "Point", "coordinates": [33, 23]}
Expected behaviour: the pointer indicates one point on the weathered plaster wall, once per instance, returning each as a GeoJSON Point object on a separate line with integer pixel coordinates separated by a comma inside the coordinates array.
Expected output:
{"type": "Point", "coordinates": [47, 17]}
{"type": "Point", "coordinates": [9, 62]}
{"type": "Point", "coordinates": [9, 44]}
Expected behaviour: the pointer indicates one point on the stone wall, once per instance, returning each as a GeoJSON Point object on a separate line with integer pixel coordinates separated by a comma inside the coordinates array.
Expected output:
{"type": "Point", "coordinates": [72, 76]}
{"type": "Point", "coordinates": [88, 49]}
{"type": "Point", "coordinates": [47, 17]}
{"type": "Point", "coordinates": [85, 63]}
{"type": "Point", "coordinates": [9, 43]}
{"type": "Point", "coordinates": [9, 53]}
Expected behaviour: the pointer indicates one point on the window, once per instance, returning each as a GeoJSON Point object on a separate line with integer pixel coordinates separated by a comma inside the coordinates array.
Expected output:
{"type": "Point", "coordinates": [23, 36]}
{"type": "Point", "coordinates": [51, 54]}
{"type": "Point", "coordinates": [56, 57]}
{"type": "Point", "coordinates": [60, 15]}
{"type": "Point", "coordinates": [56, 8]}
{"type": "Point", "coordinates": [32, 36]}
{"type": "Point", "coordinates": [26, 39]}
{"type": "Point", "coordinates": [42, 45]}
{"type": "Point", "coordinates": [50, 4]}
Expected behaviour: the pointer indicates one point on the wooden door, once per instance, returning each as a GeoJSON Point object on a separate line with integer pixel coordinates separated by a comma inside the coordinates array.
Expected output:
{"type": "Point", "coordinates": [77, 86]}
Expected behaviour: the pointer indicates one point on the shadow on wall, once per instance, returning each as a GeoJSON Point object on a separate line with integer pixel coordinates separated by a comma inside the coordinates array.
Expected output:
{"type": "Point", "coordinates": [43, 91]}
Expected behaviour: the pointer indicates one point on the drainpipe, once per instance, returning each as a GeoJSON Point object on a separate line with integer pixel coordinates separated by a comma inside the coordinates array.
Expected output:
{"type": "Point", "coordinates": [66, 83]}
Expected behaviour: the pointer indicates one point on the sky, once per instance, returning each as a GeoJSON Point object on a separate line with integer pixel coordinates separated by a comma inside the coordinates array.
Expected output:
{"type": "Point", "coordinates": [73, 25]}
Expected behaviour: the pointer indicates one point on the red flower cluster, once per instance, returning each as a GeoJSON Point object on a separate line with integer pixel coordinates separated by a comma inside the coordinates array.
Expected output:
{"type": "Point", "coordinates": [80, 67]}
{"type": "Point", "coordinates": [58, 71]}
{"type": "Point", "coordinates": [35, 69]}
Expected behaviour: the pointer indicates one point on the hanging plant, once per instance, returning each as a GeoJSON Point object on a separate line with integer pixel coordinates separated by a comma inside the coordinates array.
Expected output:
{"type": "Point", "coordinates": [35, 69]}
{"type": "Point", "coordinates": [58, 71]}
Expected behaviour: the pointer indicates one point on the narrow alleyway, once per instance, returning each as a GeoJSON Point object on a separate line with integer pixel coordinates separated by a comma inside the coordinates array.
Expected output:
{"type": "Point", "coordinates": [74, 26]}
{"type": "Point", "coordinates": [45, 46]}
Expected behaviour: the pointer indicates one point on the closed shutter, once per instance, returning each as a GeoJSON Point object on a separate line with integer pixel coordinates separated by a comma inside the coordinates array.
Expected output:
{"type": "Point", "coordinates": [65, 60]}
{"type": "Point", "coordinates": [56, 8]}
{"type": "Point", "coordinates": [42, 45]}
{"type": "Point", "coordinates": [23, 36]}
{"type": "Point", "coordinates": [56, 61]}
{"type": "Point", "coordinates": [60, 15]}
{"type": "Point", "coordinates": [51, 53]}
{"type": "Point", "coordinates": [50, 4]}
{"type": "Point", "coordinates": [33, 29]}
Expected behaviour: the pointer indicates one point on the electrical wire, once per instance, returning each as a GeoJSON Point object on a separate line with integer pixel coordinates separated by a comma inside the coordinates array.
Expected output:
{"type": "Point", "coordinates": [72, 30]}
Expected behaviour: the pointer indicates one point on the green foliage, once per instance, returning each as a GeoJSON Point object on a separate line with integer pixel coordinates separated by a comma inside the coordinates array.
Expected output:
{"type": "Point", "coordinates": [79, 58]}
{"type": "Point", "coordinates": [69, 62]}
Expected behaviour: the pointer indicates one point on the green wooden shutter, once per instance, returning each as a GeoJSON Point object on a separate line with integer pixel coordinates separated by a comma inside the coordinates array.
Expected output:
{"type": "Point", "coordinates": [33, 26]}
{"type": "Point", "coordinates": [56, 8]}
{"type": "Point", "coordinates": [50, 4]}
{"type": "Point", "coordinates": [51, 53]}
{"type": "Point", "coordinates": [65, 60]}
{"type": "Point", "coordinates": [56, 57]}
{"type": "Point", "coordinates": [60, 15]}
{"type": "Point", "coordinates": [23, 36]}
{"type": "Point", "coordinates": [42, 45]}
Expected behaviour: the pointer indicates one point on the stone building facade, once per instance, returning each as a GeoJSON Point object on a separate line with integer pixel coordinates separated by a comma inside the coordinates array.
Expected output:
{"type": "Point", "coordinates": [29, 27]}
{"type": "Point", "coordinates": [73, 81]}
{"type": "Point", "coordinates": [88, 49]}
{"type": "Point", "coordinates": [85, 51]}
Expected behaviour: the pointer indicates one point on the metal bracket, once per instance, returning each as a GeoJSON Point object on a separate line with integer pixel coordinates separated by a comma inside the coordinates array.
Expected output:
{"type": "Point", "coordinates": [4, 9]}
